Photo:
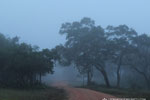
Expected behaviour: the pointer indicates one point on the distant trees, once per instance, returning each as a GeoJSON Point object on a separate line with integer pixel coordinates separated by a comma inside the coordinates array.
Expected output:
{"type": "Point", "coordinates": [90, 47]}
{"type": "Point", "coordinates": [22, 65]}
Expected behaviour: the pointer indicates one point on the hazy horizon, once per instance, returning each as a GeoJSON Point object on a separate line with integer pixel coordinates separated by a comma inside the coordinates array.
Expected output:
{"type": "Point", "coordinates": [37, 22]}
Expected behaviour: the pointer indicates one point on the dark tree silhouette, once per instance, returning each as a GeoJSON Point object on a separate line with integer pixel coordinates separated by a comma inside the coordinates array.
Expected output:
{"type": "Point", "coordinates": [22, 65]}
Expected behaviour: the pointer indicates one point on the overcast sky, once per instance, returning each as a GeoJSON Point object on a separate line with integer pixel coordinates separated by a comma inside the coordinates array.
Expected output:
{"type": "Point", "coordinates": [38, 21]}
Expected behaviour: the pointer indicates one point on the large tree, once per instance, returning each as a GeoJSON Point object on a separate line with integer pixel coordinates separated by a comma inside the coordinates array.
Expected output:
{"type": "Point", "coordinates": [121, 38]}
{"type": "Point", "coordinates": [139, 60]}
{"type": "Point", "coordinates": [85, 47]}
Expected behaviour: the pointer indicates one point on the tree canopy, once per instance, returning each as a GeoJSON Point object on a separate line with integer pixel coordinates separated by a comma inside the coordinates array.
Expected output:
{"type": "Point", "coordinates": [89, 47]}
{"type": "Point", "coordinates": [22, 65]}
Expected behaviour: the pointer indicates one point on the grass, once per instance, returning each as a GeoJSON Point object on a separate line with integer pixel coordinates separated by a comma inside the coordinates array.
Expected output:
{"type": "Point", "coordinates": [36, 94]}
{"type": "Point", "coordinates": [121, 93]}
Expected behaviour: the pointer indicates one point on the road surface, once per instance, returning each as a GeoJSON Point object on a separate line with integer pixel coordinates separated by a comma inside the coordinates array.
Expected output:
{"type": "Point", "coordinates": [83, 94]}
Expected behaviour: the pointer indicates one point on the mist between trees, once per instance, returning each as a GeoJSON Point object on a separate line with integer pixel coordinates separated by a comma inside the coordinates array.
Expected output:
{"type": "Point", "coordinates": [116, 56]}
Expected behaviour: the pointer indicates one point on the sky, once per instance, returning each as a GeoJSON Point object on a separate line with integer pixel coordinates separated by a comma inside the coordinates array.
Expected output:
{"type": "Point", "coordinates": [37, 22]}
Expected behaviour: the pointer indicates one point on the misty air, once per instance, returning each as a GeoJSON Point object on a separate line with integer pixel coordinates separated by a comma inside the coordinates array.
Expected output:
{"type": "Point", "coordinates": [74, 50]}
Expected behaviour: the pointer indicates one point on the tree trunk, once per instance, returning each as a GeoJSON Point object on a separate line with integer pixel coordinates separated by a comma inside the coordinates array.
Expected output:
{"type": "Point", "coordinates": [147, 81]}
{"type": "Point", "coordinates": [118, 71]}
{"type": "Point", "coordinates": [40, 78]}
{"type": "Point", "coordinates": [88, 78]}
{"type": "Point", "coordinates": [83, 80]}
{"type": "Point", "coordinates": [144, 75]}
{"type": "Point", "coordinates": [118, 76]}
{"type": "Point", "coordinates": [105, 76]}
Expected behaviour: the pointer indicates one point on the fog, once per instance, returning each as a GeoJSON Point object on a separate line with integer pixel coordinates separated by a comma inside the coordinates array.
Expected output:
{"type": "Point", "coordinates": [69, 75]}
{"type": "Point", "coordinates": [37, 22]}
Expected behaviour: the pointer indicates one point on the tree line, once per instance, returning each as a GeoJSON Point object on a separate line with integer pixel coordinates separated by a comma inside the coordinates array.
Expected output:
{"type": "Point", "coordinates": [22, 65]}
{"type": "Point", "coordinates": [90, 47]}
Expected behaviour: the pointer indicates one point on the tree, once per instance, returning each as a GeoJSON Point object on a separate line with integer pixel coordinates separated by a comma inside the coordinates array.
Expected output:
{"type": "Point", "coordinates": [121, 38]}
{"type": "Point", "coordinates": [140, 58]}
{"type": "Point", "coordinates": [22, 65]}
{"type": "Point", "coordinates": [85, 47]}
{"type": "Point", "coordinates": [90, 47]}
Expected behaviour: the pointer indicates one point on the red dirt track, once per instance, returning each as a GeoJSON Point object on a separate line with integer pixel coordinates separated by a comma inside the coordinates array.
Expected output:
{"type": "Point", "coordinates": [83, 94]}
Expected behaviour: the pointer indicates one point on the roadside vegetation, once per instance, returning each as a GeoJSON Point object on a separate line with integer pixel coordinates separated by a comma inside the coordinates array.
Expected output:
{"type": "Point", "coordinates": [35, 94]}
{"type": "Point", "coordinates": [120, 92]}
{"type": "Point", "coordinates": [22, 67]}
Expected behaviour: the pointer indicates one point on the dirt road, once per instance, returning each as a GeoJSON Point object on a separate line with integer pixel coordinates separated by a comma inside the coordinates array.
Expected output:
{"type": "Point", "coordinates": [83, 94]}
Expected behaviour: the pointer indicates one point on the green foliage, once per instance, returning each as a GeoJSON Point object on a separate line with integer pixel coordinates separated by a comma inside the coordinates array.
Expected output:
{"type": "Point", "coordinates": [22, 65]}
{"type": "Point", "coordinates": [121, 93]}
{"type": "Point", "coordinates": [85, 47]}
{"type": "Point", "coordinates": [36, 94]}
{"type": "Point", "coordinates": [90, 47]}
